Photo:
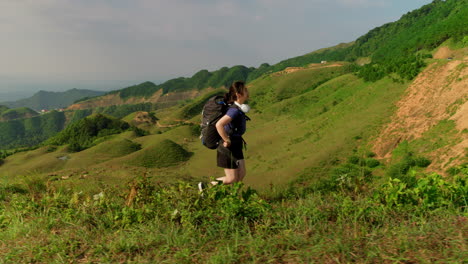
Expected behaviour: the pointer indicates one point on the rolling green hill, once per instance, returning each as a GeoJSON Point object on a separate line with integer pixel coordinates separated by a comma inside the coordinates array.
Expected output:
{"type": "Point", "coordinates": [17, 113]}
{"type": "Point", "coordinates": [30, 131]}
{"type": "Point", "coordinates": [85, 132]}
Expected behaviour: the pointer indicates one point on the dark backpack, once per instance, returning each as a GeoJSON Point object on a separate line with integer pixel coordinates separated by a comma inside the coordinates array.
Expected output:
{"type": "Point", "coordinates": [213, 110]}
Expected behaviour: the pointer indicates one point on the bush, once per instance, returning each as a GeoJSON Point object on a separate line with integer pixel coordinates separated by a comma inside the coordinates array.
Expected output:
{"type": "Point", "coordinates": [421, 162]}
{"type": "Point", "coordinates": [354, 160]}
{"type": "Point", "coordinates": [349, 177]}
{"type": "Point", "coordinates": [428, 192]}
{"type": "Point", "coordinates": [458, 170]}
{"type": "Point", "coordinates": [372, 163]}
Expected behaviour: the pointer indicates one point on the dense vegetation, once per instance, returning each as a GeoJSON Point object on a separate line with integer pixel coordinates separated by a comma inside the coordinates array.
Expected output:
{"type": "Point", "coordinates": [396, 47]}
{"type": "Point", "coordinates": [84, 133]}
{"type": "Point", "coordinates": [17, 113]}
{"type": "Point", "coordinates": [202, 79]}
{"type": "Point", "coordinates": [117, 111]}
{"type": "Point", "coordinates": [23, 133]}
{"type": "Point", "coordinates": [30, 131]}
{"type": "Point", "coordinates": [350, 217]}
{"type": "Point", "coordinates": [52, 100]}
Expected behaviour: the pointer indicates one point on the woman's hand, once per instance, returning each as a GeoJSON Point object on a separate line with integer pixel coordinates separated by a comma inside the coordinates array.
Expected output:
{"type": "Point", "coordinates": [220, 128]}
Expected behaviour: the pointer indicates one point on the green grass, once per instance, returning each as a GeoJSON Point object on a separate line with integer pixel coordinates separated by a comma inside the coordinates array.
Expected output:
{"type": "Point", "coordinates": [162, 154]}
{"type": "Point", "coordinates": [148, 222]}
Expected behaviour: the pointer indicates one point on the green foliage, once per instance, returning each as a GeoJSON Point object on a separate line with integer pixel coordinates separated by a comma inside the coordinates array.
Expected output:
{"type": "Point", "coordinates": [30, 131]}
{"type": "Point", "coordinates": [349, 177]}
{"type": "Point", "coordinates": [372, 163]}
{"type": "Point", "coordinates": [80, 114]}
{"type": "Point", "coordinates": [202, 79]}
{"type": "Point", "coordinates": [117, 111]}
{"type": "Point", "coordinates": [400, 169]}
{"type": "Point", "coordinates": [145, 89]}
{"type": "Point", "coordinates": [461, 170]}
{"type": "Point", "coordinates": [82, 134]}
{"type": "Point", "coordinates": [162, 154]}
{"type": "Point", "coordinates": [427, 193]}
{"type": "Point", "coordinates": [153, 222]}
{"type": "Point", "coordinates": [139, 132]}
{"type": "Point", "coordinates": [393, 46]}
{"type": "Point", "coordinates": [17, 113]}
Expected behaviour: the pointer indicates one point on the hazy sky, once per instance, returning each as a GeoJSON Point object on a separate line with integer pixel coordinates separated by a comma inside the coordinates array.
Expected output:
{"type": "Point", "coordinates": [61, 44]}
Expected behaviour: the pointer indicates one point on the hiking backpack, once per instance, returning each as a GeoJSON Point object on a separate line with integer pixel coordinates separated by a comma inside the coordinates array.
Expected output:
{"type": "Point", "coordinates": [213, 110]}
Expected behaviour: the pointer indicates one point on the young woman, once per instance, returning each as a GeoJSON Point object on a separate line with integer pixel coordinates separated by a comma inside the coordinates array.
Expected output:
{"type": "Point", "coordinates": [231, 127]}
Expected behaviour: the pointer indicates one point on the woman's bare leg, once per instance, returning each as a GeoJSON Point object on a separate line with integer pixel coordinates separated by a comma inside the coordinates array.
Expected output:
{"type": "Point", "coordinates": [231, 176]}
{"type": "Point", "coordinates": [242, 171]}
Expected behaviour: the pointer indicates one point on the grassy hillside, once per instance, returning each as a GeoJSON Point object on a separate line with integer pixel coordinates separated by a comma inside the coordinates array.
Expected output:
{"type": "Point", "coordinates": [87, 132]}
{"type": "Point", "coordinates": [395, 47]}
{"type": "Point", "coordinates": [157, 223]}
{"type": "Point", "coordinates": [30, 131]}
{"type": "Point", "coordinates": [17, 113]}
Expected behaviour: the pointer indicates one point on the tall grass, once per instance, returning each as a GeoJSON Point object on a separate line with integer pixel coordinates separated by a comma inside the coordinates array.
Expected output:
{"type": "Point", "coordinates": [155, 223]}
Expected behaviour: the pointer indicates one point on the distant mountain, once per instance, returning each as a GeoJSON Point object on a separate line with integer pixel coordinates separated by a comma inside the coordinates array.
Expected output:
{"type": "Point", "coordinates": [52, 100]}
{"type": "Point", "coordinates": [200, 80]}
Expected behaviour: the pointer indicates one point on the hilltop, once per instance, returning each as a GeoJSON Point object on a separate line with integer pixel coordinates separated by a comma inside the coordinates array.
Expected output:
{"type": "Point", "coordinates": [17, 113]}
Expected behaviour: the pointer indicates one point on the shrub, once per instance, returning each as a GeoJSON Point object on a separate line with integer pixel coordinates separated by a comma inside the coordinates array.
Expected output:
{"type": "Point", "coordinates": [429, 192]}
{"type": "Point", "coordinates": [372, 163]}
{"type": "Point", "coordinates": [421, 162]}
{"type": "Point", "coordinates": [458, 170]}
{"type": "Point", "coordinates": [349, 177]}
{"type": "Point", "coordinates": [354, 160]}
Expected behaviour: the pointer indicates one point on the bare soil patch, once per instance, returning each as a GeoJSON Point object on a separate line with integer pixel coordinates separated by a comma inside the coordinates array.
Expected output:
{"type": "Point", "coordinates": [440, 92]}
{"type": "Point", "coordinates": [443, 53]}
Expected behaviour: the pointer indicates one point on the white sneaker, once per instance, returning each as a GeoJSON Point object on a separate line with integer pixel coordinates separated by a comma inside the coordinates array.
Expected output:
{"type": "Point", "coordinates": [201, 186]}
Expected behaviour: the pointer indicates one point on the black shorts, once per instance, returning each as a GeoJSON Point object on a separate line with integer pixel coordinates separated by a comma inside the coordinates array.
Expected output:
{"type": "Point", "coordinates": [228, 157]}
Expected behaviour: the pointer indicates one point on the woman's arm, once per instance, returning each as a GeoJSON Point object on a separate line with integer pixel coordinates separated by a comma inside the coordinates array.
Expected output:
{"type": "Point", "coordinates": [220, 128]}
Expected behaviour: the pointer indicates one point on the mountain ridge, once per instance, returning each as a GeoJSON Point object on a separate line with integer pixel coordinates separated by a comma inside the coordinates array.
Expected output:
{"type": "Point", "coordinates": [52, 100]}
